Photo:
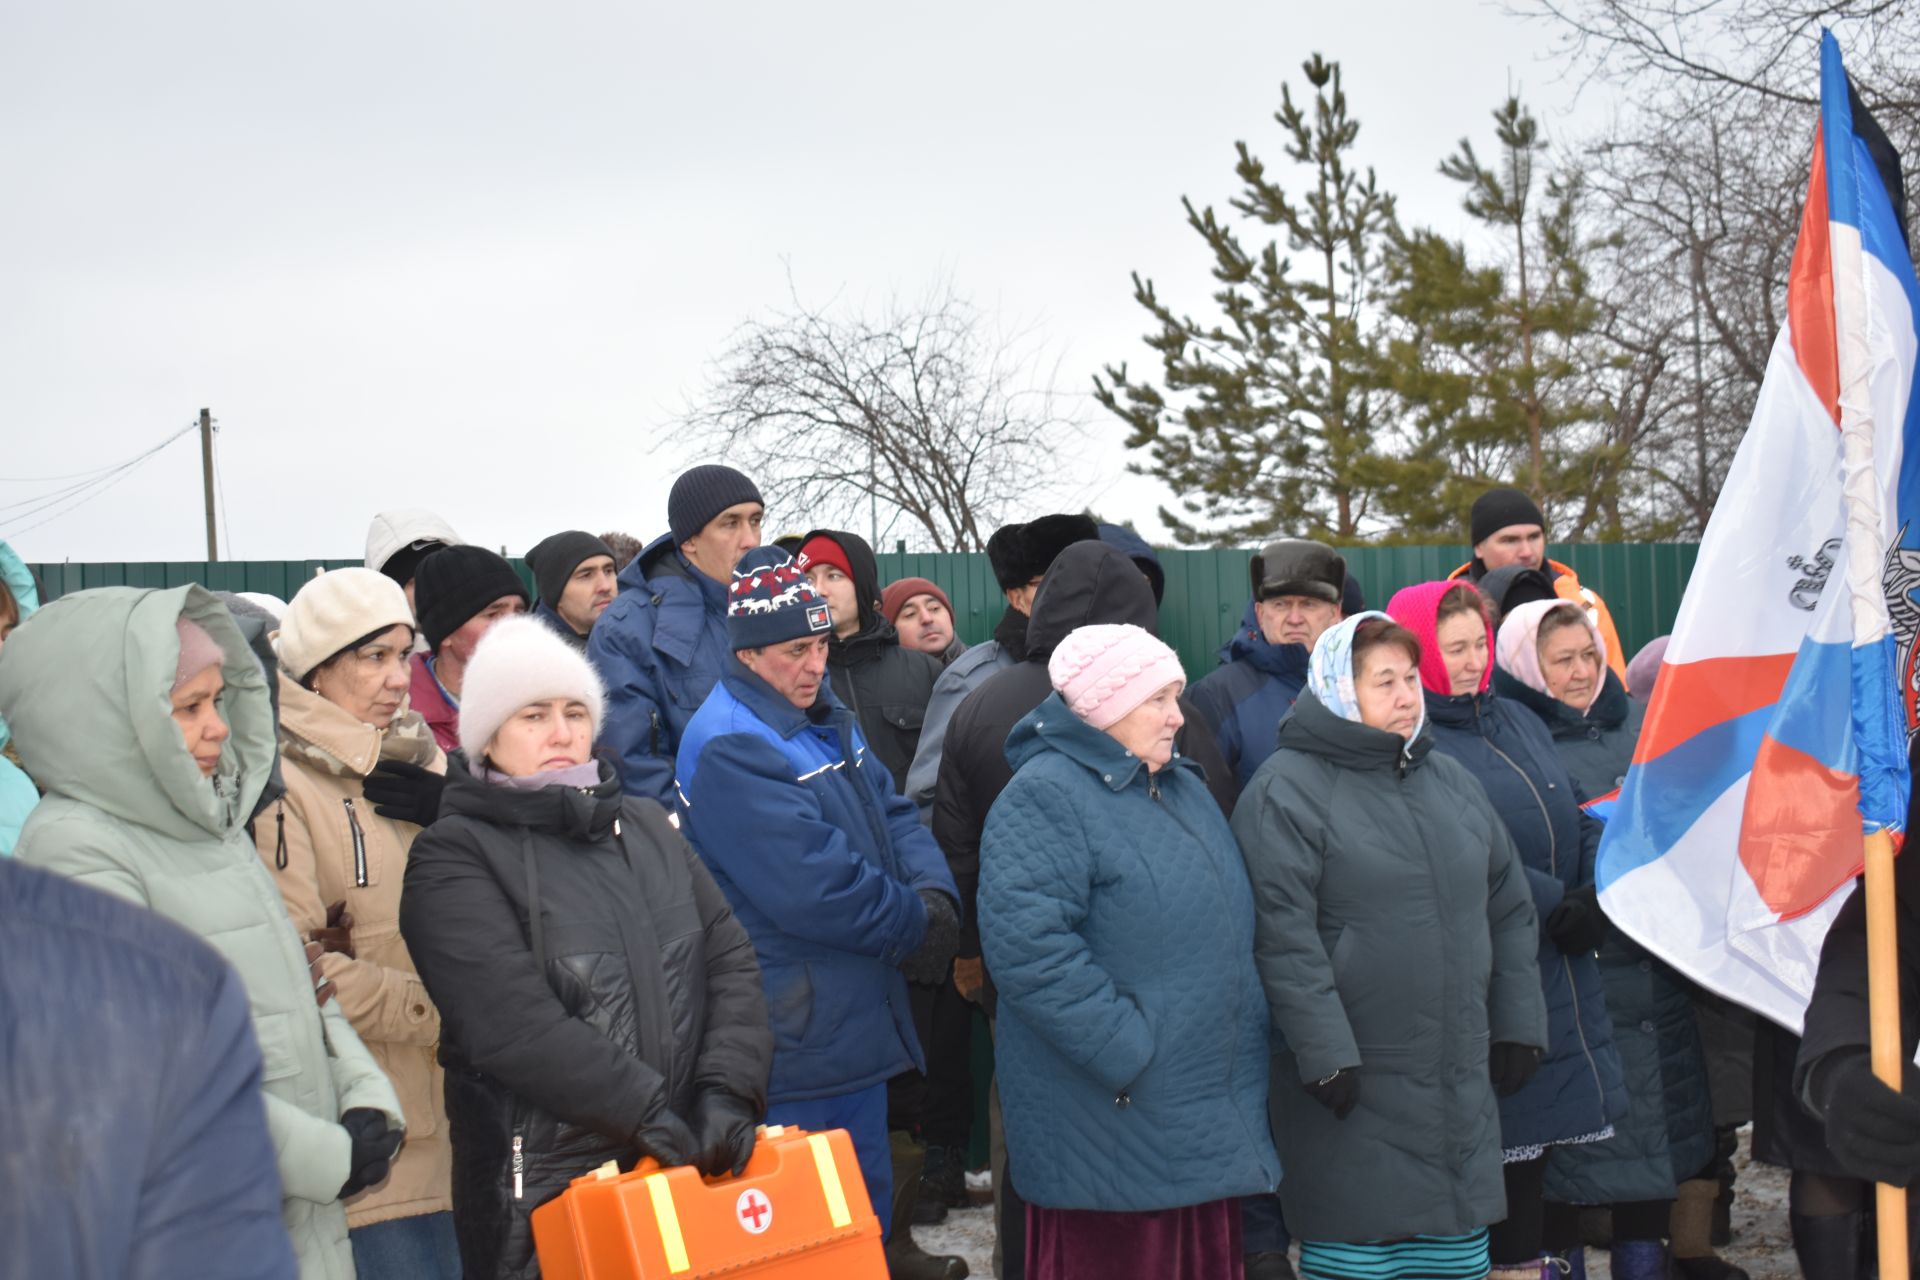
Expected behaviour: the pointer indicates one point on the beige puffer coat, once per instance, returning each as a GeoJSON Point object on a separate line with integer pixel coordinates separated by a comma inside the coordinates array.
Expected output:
{"type": "Point", "coordinates": [324, 844]}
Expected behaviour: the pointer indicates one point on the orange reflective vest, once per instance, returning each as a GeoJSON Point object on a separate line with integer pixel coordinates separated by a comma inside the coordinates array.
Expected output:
{"type": "Point", "coordinates": [1566, 585]}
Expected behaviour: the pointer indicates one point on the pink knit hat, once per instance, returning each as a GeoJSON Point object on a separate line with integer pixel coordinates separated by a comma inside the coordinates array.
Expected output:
{"type": "Point", "coordinates": [1417, 608]}
{"type": "Point", "coordinates": [198, 650]}
{"type": "Point", "coordinates": [1104, 671]}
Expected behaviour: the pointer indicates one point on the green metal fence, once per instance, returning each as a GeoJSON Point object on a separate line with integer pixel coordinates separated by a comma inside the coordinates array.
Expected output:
{"type": "Point", "coordinates": [1207, 591]}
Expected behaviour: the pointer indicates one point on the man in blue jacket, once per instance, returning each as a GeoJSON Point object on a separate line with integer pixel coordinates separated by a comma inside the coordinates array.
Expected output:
{"type": "Point", "coordinates": [1298, 587]}
{"type": "Point", "coordinates": [660, 645]}
{"type": "Point", "coordinates": [836, 881]}
{"type": "Point", "coordinates": [130, 1108]}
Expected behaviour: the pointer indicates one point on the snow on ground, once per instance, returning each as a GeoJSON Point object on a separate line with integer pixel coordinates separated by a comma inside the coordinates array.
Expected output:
{"type": "Point", "coordinates": [1760, 1241]}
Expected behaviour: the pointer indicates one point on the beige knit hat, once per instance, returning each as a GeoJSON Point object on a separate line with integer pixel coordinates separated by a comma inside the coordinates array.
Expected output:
{"type": "Point", "coordinates": [521, 660]}
{"type": "Point", "coordinates": [332, 611]}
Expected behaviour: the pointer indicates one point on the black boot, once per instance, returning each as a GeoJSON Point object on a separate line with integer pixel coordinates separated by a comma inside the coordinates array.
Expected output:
{"type": "Point", "coordinates": [943, 1186]}
{"type": "Point", "coordinates": [1270, 1265]}
{"type": "Point", "coordinates": [1827, 1245]}
{"type": "Point", "coordinates": [906, 1260]}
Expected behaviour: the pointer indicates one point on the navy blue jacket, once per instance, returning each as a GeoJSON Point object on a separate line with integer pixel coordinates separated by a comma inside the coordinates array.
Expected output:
{"type": "Point", "coordinates": [130, 1106]}
{"type": "Point", "coordinates": [560, 626]}
{"type": "Point", "coordinates": [1118, 921]}
{"type": "Point", "coordinates": [822, 861]}
{"type": "Point", "coordinates": [1246, 699]}
{"type": "Point", "coordinates": [659, 648]}
{"type": "Point", "coordinates": [1579, 1089]}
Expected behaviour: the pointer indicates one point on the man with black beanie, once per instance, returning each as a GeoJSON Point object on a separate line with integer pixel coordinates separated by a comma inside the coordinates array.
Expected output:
{"type": "Point", "coordinates": [1508, 528]}
{"type": "Point", "coordinates": [1020, 555]}
{"type": "Point", "coordinates": [459, 593]}
{"type": "Point", "coordinates": [574, 577]}
{"type": "Point", "coordinates": [661, 645]}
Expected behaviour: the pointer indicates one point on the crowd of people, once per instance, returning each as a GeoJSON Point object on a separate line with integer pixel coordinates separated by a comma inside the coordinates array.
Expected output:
{"type": "Point", "coordinates": [341, 933]}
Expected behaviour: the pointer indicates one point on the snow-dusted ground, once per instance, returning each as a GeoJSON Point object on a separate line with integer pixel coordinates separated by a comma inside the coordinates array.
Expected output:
{"type": "Point", "coordinates": [1760, 1242]}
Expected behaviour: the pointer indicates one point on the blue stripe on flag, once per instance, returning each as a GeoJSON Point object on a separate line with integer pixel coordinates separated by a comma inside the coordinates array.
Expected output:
{"type": "Point", "coordinates": [1654, 814]}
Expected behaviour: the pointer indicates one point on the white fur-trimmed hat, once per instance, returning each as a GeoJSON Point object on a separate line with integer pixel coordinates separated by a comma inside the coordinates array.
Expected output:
{"type": "Point", "coordinates": [520, 661]}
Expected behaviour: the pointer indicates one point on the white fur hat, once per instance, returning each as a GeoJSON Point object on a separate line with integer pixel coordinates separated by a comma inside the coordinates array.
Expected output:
{"type": "Point", "coordinates": [520, 661]}
{"type": "Point", "coordinates": [332, 611]}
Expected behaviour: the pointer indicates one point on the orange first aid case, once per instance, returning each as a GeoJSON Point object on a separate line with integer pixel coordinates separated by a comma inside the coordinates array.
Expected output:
{"type": "Point", "coordinates": [799, 1211]}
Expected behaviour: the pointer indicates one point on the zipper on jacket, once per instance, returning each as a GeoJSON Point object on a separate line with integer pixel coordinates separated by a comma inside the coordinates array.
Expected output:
{"type": "Point", "coordinates": [359, 844]}
{"type": "Point", "coordinates": [280, 834]}
{"type": "Point", "coordinates": [519, 1168]}
{"type": "Point", "coordinates": [653, 739]}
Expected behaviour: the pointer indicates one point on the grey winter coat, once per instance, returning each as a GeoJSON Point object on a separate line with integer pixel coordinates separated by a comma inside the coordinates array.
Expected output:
{"type": "Point", "coordinates": [1394, 932]}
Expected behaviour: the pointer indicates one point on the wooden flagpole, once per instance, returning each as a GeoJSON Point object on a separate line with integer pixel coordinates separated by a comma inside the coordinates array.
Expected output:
{"type": "Point", "coordinates": [1883, 1011]}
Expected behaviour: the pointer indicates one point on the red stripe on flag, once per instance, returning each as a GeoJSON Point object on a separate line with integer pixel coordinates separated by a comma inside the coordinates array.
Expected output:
{"type": "Point", "coordinates": [1693, 696]}
{"type": "Point", "coordinates": [1810, 292]}
{"type": "Point", "coordinates": [1800, 836]}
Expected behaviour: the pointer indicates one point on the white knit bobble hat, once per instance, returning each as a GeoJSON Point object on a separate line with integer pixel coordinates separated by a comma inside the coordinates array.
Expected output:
{"type": "Point", "coordinates": [521, 661]}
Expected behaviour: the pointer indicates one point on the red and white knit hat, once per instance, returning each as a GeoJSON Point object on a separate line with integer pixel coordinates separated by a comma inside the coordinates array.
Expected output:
{"type": "Point", "coordinates": [1104, 671]}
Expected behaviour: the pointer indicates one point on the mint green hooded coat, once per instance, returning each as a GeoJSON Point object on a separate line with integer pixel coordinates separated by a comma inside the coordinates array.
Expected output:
{"type": "Point", "coordinates": [126, 810]}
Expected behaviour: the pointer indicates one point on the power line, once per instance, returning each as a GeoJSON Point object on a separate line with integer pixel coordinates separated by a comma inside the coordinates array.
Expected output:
{"type": "Point", "coordinates": [81, 475]}
{"type": "Point", "coordinates": [79, 494]}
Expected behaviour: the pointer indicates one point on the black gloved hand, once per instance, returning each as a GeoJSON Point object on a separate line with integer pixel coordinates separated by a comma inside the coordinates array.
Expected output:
{"type": "Point", "coordinates": [666, 1137]}
{"type": "Point", "coordinates": [723, 1127]}
{"type": "Point", "coordinates": [405, 792]}
{"type": "Point", "coordinates": [934, 956]}
{"type": "Point", "coordinates": [1338, 1093]}
{"type": "Point", "coordinates": [1577, 923]}
{"type": "Point", "coordinates": [1872, 1130]}
{"type": "Point", "coordinates": [374, 1145]}
{"type": "Point", "coordinates": [1511, 1066]}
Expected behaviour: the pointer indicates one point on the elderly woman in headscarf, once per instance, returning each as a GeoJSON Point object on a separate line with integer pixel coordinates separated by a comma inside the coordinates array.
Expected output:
{"type": "Point", "coordinates": [1395, 936]}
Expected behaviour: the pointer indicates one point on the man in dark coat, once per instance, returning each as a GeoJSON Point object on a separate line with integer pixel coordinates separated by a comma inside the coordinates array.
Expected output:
{"type": "Point", "coordinates": [574, 578]}
{"type": "Point", "coordinates": [887, 686]}
{"type": "Point", "coordinates": [841, 888]}
{"type": "Point", "coordinates": [1019, 554]}
{"type": "Point", "coordinates": [1088, 582]}
{"type": "Point", "coordinates": [660, 645]}
{"type": "Point", "coordinates": [1298, 587]}
{"type": "Point", "coordinates": [130, 1106]}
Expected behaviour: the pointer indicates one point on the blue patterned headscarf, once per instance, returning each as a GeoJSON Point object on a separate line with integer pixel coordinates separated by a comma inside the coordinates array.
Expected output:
{"type": "Point", "coordinates": [1330, 671]}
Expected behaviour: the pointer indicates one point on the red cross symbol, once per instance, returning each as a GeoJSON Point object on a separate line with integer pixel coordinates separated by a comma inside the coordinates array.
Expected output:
{"type": "Point", "coordinates": [755, 1211]}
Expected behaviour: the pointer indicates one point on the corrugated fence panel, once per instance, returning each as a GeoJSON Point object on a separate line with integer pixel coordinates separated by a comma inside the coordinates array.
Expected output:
{"type": "Point", "coordinates": [1206, 594]}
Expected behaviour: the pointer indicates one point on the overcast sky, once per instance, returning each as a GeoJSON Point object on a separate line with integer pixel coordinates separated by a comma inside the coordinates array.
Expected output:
{"type": "Point", "coordinates": [476, 256]}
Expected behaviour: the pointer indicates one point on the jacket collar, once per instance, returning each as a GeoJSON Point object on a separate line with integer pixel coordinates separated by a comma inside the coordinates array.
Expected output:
{"type": "Point", "coordinates": [580, 813]}
{"type": "Point", "coordinates": [1316, 729]}
{"type": "Point", "coordinates": [320, 733]}
{"type": "Point", "coordinates": [1052, 727]}
{"type": "Point", "coordinates": [1251, 646]}
{"type": "Point", "coordinates": [1460, 710]}
{"type": "Point", "coordinates": [1609, 710]}
{"type": "Point", "coordinates": [1010, 633]}
{"type": "Point", "coordinates": [869, 644]}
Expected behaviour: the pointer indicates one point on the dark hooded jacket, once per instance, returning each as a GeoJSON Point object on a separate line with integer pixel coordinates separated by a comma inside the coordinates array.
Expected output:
{"type": "Point", "coordinates": [886, 686]}
{"type": "Point", "coordinates": [659, 648]}
{"type": "Point", "coordinates": [1090, 582]}
{"type": "Point", "coordinates": [1246, 699]}
{"type": "Point", "coordinates": [588, 972]}
{"type": "Point", "coordinates": [963, 675]}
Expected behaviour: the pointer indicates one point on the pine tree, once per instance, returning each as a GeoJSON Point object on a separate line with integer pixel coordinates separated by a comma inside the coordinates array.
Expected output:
{"type": "Point", "coordinates": [1264, 420]}
{"type": "Point", "coordinates": [1500, 366]}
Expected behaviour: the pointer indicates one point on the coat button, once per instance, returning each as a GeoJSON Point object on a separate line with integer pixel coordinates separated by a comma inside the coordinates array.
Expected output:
{"type": "Point", "coordinates": [1122, 1101]}
{"type": "Point", "coordinates": [1647, 1027]}
{"type": "Point", "coordinates": [1106, 777]}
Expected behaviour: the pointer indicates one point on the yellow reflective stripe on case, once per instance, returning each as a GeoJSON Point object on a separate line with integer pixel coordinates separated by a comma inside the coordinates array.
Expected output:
{"type": "Point", "coordinates": [668, 1220]}
{"type": "Point", "coordinates": [830, 1180]}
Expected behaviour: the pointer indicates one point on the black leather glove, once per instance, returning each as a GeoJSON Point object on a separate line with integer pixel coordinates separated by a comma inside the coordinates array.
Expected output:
{"type": "Point", "coordinates": [1872, 1130]}
{"type": "Point", "coordinates": [723, 1128]}
{"type": "Point", "coordinates": [1577, 923]}
{"type": "Point", "coordinates": [931, 960]}
{"type": "Point", "coordinates": [405, 792]}
{"type": "Point", "coordinates": [666, 1137]}
{"type": "Point", "coordinates": [1511, 1066]}
{"type": "Point", "coordinates": [1338, 1093]}
{"type": "Point", "coordinates": [374, 1145]}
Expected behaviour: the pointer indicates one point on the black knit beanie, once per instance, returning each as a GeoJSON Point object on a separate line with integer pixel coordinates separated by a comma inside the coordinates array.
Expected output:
{"type": "Point", "coordinates": [703, 493]}
{"type": "Point", "coordinates": [453, 585]}
{"type": "Point", "coordinates": [553, 560]}
{"type": "Point", "coordinates": [1495, 509]}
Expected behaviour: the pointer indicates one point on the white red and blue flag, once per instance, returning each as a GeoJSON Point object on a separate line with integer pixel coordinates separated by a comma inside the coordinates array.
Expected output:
{"type": "Point", "coordinates": [1777, 733]}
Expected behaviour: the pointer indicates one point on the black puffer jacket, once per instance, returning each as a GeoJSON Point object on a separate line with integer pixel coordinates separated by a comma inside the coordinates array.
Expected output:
{"type": "Point", "coordinates": [626, 988]}
{"type": "Point", "coordinates": [885, 685]}
{"type": "Point", "coordinates": [1090, 582]}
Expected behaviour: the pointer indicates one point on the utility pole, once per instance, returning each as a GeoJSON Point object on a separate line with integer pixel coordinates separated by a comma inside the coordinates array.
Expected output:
{"type": "Point", "coordinates": [206, 480]}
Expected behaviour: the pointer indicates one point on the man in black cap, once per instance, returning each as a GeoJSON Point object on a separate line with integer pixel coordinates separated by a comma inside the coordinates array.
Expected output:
{"type": "Point", "coordinates": [574, 577]}
{"type": "Point", "coordinates": [1298, 592]}
{"type": "Point", "coordinates": [459, 593]}
{"type": "Point", "coordinates": [1507, 528]}
{"type": "Point", "coordinates": [1020, 555]}
{"type": "Point", "coordinates": [661, 645]}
